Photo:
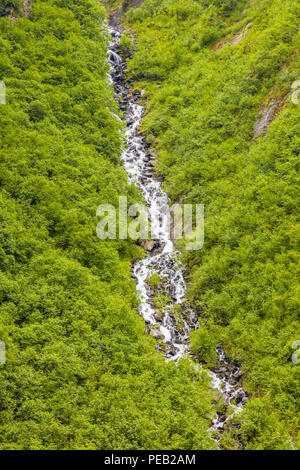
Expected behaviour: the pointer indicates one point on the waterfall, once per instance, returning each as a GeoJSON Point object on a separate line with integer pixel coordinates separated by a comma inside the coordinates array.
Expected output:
{"type": "Point", "coordinates": [172, 334]}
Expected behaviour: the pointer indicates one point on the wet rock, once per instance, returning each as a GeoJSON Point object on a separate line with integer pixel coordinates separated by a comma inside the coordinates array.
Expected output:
{"type": "Point", "coordinates": [171, 350]}
{"type": "Point", "coordinates": [158, 318]}
{"type": "Point", "coordinates": [239, 399]}
{"type": "Point", "coordinates": [138, 157]}
{"type": "Point", "coordinates": [156, 333]}
{"type": "Point", "coordinates": [149, 245]}
{"type": "Point", "coordinates": [136, 94]}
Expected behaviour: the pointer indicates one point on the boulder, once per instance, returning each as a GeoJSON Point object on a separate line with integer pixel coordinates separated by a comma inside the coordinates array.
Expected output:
{"type": "Point", "coordinates": [156, 333]}
{"type": "Point", "coordinates": [149, 245]}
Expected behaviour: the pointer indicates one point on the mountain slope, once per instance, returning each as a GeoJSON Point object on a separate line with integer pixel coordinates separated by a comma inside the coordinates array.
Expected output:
{"type": "Point", "coordinates": [80, 372]}
{"type": "Point", "coordinates": [217, 77]}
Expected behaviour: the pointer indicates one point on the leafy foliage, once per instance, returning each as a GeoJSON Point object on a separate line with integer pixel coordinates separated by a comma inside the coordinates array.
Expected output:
{"type": "Point", "coordinates": [126, 45]}
{"type": "Point", "coordinates": [80, 372]}
{"type": "Point", "coordinates": [208, 68]}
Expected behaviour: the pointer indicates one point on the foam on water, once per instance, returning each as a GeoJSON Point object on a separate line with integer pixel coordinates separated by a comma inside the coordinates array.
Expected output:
{"type": "Point", "coordinates": [164, 260]}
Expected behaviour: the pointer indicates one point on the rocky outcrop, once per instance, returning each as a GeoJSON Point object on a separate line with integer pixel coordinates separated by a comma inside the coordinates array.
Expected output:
{"type": "Point", "coordinates": [240, 36]}
{"type": "Point", "coordinates": [156, 333]}
{"type": "Point", "coordinates": [234, 40]}
{"type": "Point", "coordinates": [149, 245]}
{"type": "Point", "coordinates": [266, 116]}
{"type": "Point", "coordinates": [131, 4]}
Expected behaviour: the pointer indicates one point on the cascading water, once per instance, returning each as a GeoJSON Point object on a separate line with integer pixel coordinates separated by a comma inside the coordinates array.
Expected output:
{"type": "Point", "coordinates": [162, 259]}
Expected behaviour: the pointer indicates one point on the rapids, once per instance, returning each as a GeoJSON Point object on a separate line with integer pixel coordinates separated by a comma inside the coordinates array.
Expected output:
{"type": "Point", "coordinates": [172, 334]}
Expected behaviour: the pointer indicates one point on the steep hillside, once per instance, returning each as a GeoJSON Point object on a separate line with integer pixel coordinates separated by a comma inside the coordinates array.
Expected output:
{"type": "Point", "coordinates": [217, 78]}
{"type": "Point", "coordinates": [80, 372]}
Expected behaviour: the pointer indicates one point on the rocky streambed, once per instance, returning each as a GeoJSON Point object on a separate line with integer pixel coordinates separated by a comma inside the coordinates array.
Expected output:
{"type": "Point", "coordinates": [168, 317]}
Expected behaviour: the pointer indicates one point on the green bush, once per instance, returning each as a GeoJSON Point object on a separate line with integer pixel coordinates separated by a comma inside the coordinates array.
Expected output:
{"type": "Point", "coordinates": [126, 45]}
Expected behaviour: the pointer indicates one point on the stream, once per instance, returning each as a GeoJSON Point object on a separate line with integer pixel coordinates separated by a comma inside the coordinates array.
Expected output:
{"type": "Point", "coordinates": [173, 326]}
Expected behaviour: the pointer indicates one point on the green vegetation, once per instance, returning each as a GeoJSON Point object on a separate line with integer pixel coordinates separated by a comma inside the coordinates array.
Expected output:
{"type": "Point", "coordinates": [208, 67]}
{"type": "Point", "coordinates": [8, 7]}
{"type": "Point", "coordinates": [154, 281]}
{"type": "Point", "coordinates": [160, 301]}
{"type": "Point", "coordinates": [126, 45]}
{"type": "Point", "coordinates": [80, 372]}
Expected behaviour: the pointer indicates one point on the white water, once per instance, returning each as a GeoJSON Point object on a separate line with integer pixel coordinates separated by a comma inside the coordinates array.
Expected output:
{"type": "Point", "coordinates": [163, 260]}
